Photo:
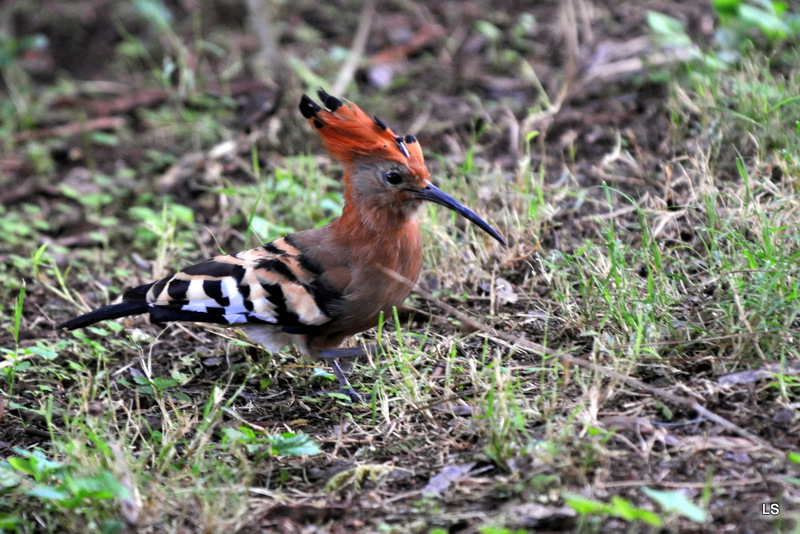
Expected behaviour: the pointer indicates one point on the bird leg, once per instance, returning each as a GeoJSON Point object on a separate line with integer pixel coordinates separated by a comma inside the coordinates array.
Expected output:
{"type": "Point", "coordinates": [349, 352]}
{"type": "Point", "coordinates": [332, 356]}
{"type": "Point", "coordinates": [347, 389]}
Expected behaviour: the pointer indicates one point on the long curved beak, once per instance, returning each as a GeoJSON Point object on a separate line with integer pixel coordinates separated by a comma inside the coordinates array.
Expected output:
{"type": "Point", "coordinates": [436, 195]}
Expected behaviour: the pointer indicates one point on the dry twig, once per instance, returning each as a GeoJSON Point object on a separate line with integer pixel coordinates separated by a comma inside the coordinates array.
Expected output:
{"type": "Point", "coordinates": [356, 49]}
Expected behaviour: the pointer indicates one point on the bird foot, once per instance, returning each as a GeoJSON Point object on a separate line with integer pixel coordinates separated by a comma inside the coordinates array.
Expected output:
{"type": "Point", "coordinates": [355, 397]}
{"type": "Point", "coordinates": [347, 389]}
{"type": "Point", "coordinates": [332, 356]}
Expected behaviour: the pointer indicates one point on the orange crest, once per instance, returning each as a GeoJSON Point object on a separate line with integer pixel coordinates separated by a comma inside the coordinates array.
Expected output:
{"type": "Point", "coordinates": [347, 133]}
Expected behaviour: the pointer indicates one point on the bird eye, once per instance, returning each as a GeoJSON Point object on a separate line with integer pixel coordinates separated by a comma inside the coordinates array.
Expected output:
{"type": "Point", "coordinates": [393, 177]}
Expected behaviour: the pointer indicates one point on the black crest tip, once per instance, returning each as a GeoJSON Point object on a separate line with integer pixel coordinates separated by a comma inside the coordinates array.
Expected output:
{"type": "Point", "coordinates": [379, 122]}
{"type": "Point", "coordinates": [308, 107]}
{"type": "Point", "coordinates": [410, 139]}
{"type": "Point", "coordinates": [330, 102]}
{"type": "Point", "coordinates": [402, 145]}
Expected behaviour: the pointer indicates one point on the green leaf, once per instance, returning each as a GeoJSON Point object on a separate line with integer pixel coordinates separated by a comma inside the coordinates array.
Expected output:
{"type": "Point", "coordinates": [248, 433]}
{"type": "Point", "coordinates": [670, 31]}
{"type": "Point", "coordinates": [43, 465]}
{"type": "Point", "coordinates": [164, 383]}
{"type": "Point", "coordinates": [675, 501]}
{"type": "Point", "coordinates": [727, 7]}
{"type": "Point", "coordinates": [9, 522]}
{"type": "Point", "coordinates": [182, 213]}
{"type": "Point", "coordinates": [21, 464]}
{"type": "Point", "coordinates": [36, 464]}
{"type": "Point", "coordinates": [619, 507]}
{"type": "Point", "coordinates": [18, 313]}
{"type": "Point", "coordinates": [794, 457]}
{"type": "Point", "coordinates": [102, 486]}
{"type": "Point", "coordinates": [664, 24]}
{"type": "Point", "coordinates": [290, 444]}
{"type": "Point", "coordinates": [112, 526]}
{"type": "Point", "coordinates": [264, 227]}
{"type": "Point", "coordinates": [322, 373]}
{"type": "Point", "coordinates": [42, 351]}
{"type": "Point", "coordinates": [97, 330]}
{"type": "Point", "coordinates": [48, 493]}
{"type": "Point", "coordinates": [233, 434]}
{"type": "Point", "coordinates": [156, 12]}
{"type": "Point", "coordinates": [183, 397]}
{"type": "Point", "coordinates": [768, 22]}
{"type": "Point", "coordinates": [144, 214]}
{"type": "Point", "coordinates": [105, 139]}
{"type": "Point", "coordinates": [339, 396]}
{"type": "Point", "coordinates": [329, 204]}
{"type": "Point", "coordinates": [584, 505]}
{"type": "Point", "coordinates": [624, 509]}
{"type": "Point", "coordinates": [9, 477]}
{"type": "Point", "coordinates": [488, 30]}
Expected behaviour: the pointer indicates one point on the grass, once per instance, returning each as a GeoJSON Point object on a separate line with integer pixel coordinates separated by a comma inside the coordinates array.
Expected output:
{"type": "Point", "coordinates": [191, 429]}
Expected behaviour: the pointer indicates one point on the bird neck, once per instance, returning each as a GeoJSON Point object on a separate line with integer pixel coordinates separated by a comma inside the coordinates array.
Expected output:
{"type": "Point", "coordinates": [377, 227]}
{"type": "Point", "coordinates": [380, 236]}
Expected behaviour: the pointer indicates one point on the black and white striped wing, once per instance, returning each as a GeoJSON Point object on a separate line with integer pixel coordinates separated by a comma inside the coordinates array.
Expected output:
{"type": "Point", "coordinates": [272, 284]}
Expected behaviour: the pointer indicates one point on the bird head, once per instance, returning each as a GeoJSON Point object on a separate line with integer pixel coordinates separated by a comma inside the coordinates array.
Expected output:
{"type": "Point", "coordinates": [382, 170]}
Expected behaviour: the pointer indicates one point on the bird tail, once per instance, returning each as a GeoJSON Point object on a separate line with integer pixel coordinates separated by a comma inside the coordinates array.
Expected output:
{"type": "Point", "coordinates": [112, 311]}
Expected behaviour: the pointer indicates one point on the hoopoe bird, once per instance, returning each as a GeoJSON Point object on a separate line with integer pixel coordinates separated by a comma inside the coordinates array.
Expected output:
{"type": "Point", "coordinates": [315, 288]}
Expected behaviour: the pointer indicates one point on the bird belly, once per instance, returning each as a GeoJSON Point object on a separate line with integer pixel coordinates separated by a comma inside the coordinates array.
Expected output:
{"type": "Point", "coordinates": [272, 338]}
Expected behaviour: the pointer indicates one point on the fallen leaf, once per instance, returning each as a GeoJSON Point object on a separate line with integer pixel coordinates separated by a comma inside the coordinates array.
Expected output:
{"type": "Point", "coordinates": [638, 425]}
{"type": "Point", "coordinates": [503, 290]}
{"type": "Point", "coordinates": [703, 443]}
{"type": "Point", "coordinates": [754, 375]}
{"type": "Point", "coordinates": [449, 474]}
{"type": "Point", "coordinates": [455, 408]}
{"type": "Point", "coordinates": [535, 515]}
